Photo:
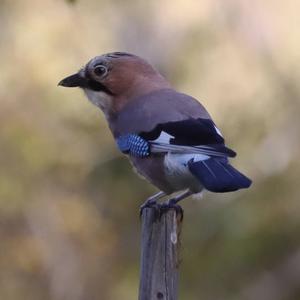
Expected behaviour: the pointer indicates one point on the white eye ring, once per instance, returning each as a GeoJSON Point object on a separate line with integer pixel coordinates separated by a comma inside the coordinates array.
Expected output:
{"type": "Point", "coordinates": [100, 70]}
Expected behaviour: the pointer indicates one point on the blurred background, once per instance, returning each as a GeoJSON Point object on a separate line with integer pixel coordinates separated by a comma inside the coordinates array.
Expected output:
{"type": "Point", "coordinates": [69, 202]}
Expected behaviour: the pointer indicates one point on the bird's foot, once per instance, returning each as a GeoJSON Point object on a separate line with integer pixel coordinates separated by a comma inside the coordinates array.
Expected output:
{"type": "Point", "coordinates": [148, 204]}
{"type": "Point", "coordinates": [171, 204]}
{"type": "Point", "coordinates": [151, 201]}
{"type": "Point", "coordinates": [162, 207]}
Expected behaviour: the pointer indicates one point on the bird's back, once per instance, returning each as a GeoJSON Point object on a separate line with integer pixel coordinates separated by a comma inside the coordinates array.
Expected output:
{"type": "Point", "coordinates": [161, 106]}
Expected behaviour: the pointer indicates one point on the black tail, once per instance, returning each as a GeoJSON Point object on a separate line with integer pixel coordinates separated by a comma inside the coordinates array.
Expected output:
{"type": "Point", "coordinates": [218, 176]}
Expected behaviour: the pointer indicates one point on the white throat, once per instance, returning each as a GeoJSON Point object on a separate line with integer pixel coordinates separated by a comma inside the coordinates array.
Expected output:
{"type": "Point", "coordinates": [100, 99]}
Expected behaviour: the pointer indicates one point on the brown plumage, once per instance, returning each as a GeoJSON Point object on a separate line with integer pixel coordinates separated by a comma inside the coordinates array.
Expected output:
{"type": "Point", "coordinates": [169, 137]}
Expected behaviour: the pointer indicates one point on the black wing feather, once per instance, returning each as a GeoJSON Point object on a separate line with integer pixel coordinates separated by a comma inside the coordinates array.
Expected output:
{"type": "Point", "coordinates": [191, 135]}
{"type": "Point", "coordinates": [191, 132]}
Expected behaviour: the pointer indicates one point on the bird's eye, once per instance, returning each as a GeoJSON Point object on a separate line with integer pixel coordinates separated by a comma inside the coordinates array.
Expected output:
{"type": "Point", "coordinates": [100, 70]}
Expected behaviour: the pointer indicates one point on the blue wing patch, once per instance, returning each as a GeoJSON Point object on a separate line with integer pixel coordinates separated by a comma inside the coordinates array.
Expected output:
{"type": "Point", "coordinates": [134, 145]}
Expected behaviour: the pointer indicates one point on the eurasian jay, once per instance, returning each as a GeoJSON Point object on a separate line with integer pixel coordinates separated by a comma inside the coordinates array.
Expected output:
{"type": "Point", "coordinates": [168, 136]}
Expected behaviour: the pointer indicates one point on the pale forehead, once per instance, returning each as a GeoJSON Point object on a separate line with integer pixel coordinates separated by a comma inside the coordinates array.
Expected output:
{"type": "Point", "coordinates": [97, 60]}
{"type": "Point", "coordinates": [105, 58]}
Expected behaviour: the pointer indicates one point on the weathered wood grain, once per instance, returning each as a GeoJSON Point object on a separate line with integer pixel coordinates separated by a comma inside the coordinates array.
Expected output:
{"type": "Point", "coordinates": [160, 254]}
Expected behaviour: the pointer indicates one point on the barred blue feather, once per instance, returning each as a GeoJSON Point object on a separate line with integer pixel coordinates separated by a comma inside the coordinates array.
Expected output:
{"type": "Point", "coordinates": [134, 145]}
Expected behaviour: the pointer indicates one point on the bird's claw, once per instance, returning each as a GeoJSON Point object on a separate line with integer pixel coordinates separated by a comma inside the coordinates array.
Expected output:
{"type": "Point", "coordinates": [148, 204]}
{"type": "Point", "coordinates": [171, 204]}
{"type": "Point", "coordinates": [162, 207]}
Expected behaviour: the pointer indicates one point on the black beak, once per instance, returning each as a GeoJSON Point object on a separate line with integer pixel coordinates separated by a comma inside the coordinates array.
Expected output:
{"type": "Point", "coordinates": [74, 80]}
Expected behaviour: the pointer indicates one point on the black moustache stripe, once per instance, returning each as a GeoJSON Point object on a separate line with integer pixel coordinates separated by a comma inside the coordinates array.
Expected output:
{"type": "Point", "coordinates": [97, 87]}
{"type": "Point", "coordinates": [94, 85]}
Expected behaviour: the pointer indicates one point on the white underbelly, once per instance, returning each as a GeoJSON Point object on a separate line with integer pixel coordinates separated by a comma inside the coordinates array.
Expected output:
{"type": "Point", "coordinates": [177, 171]}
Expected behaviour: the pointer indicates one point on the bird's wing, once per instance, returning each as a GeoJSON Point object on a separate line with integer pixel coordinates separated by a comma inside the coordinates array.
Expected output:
{"type": "Point", "coordinates": [144, 113]}
{"type": "Point", "coordinates": [191, 136]}
{"type": "Point", "coordinates": [199, 136]}
{"type": "Point", "coordinates": [167, 121]}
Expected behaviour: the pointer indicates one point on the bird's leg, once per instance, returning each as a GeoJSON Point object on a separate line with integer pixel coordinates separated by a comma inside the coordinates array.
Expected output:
{"type": "Point", "coordinates": [152, 200]}
{"type": "Point", "coordinates": [172, 203]}
{"type": "Point", "coordinates": [176, 199]}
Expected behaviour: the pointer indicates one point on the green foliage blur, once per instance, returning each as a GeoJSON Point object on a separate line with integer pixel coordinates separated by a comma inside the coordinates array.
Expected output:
{"type": "Point", "coordinates": [69, 201]}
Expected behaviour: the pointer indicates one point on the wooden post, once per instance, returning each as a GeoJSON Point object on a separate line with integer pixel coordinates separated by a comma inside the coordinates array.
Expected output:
{"type": "Point", "coordinates": [160, 254]}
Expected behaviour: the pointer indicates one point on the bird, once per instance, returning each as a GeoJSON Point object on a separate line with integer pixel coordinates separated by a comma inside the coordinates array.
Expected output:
{"type": "Point", "coordinates": [168, 136]}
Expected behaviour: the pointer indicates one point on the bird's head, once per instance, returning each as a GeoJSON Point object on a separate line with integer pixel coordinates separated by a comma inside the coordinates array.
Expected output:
{"type": "Point", "coordinates": [112, 80]}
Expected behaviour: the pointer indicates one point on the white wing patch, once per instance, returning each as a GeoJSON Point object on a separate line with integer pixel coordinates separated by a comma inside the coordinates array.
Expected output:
{"type": "Point", "coordinates": [218, 131]}
{"type": "Point", "coordinates": [164, 138]}
{"type": "Point", "coordinates": [162, 144]}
